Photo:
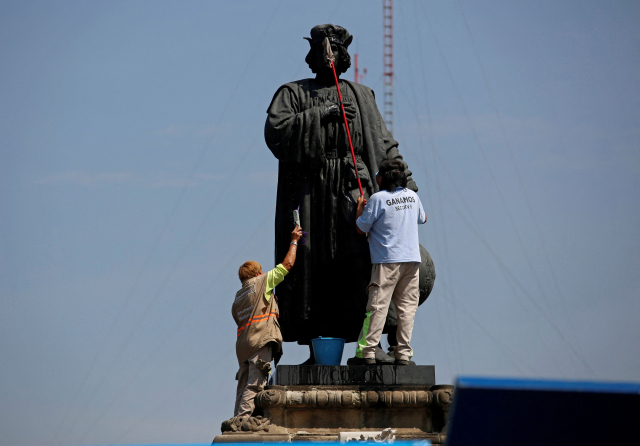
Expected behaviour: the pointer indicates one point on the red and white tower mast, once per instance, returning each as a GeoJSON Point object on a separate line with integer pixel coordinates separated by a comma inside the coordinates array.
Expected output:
{"type": "Point", "coordinates": [387, 59]}
{"type": "Point", "coordinates": [358, 77]}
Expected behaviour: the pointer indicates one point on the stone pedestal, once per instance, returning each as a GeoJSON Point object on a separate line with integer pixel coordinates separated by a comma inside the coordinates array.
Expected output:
{"type": "Point", "coordinates": [316, 403]}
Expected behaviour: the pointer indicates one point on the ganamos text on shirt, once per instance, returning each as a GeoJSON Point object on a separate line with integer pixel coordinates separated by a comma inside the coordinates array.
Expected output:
{"type": "Point", "coordinates": [400, 203]}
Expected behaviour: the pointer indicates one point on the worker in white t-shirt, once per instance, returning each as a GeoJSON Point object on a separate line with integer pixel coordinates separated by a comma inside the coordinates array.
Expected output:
{"type": "Point", "coordinates": [391, 217]}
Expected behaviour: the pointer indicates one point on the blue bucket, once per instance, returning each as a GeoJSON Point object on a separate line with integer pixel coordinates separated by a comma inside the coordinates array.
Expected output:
{"type": "Point", "coordinates": [328, 351]}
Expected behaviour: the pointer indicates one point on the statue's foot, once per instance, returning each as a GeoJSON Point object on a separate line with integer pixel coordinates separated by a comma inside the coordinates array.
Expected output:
{"type": "Point", "coordinates": [361, 361]}
{"type": "Point", "coordinates": [392, 354]}
{"type": "Point", "coordinates": [382, 358]}
{"type": "Point", "coordinates": [405, 362]}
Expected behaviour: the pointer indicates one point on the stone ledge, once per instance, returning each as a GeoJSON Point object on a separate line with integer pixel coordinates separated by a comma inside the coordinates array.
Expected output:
{"type": "Point", "coordinates": [248, 437]}
{"type": "Point", "coordinates": [308, 437]}
{"type": "Point", "coordinates": [362, 375]}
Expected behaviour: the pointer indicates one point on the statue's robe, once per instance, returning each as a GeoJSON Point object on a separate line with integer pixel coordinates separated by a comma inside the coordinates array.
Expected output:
{"type": "Point", "coordinates": [325, 294]}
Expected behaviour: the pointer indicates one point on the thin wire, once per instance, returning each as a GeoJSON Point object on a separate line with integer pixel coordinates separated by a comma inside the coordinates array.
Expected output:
{"type": "Point", "coordinates": [171, 397]}
{"type": "Point", "coordinates": [249, 242]}
{"type": "Point", "coordinates": [156, 243]}
{"type": "Point", "coordinates": [508, 353]}
{"type": "Point", "coordinates": [519, 285]}
{"type": "Point", "coordinates": [485, 159]}
{"type": "Point", "coordinates": [166, 280]}
{"type": "Point", "coordinates": [451, 300]}
{"type": "Point", "coordinates": [512, 222]}
{"type": "Point", "coordinates": [333, 13]}
{"type": "Point", "coordinates": [178, 324]}
{"type": "Point", "coordinates": [501, 345]}
{"type": "Point", "coordinates": [515, 167]}
{"type": "Point", "coordinates": [510, 277]}
{"type": "Point", "coordinates": [478, 229]}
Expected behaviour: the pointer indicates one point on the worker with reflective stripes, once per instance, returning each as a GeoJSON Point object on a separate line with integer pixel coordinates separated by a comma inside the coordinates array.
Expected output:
{"type": "Point", "coordinates": [255, 310]}
{"type": "Point", "coordinates": [391, 218]}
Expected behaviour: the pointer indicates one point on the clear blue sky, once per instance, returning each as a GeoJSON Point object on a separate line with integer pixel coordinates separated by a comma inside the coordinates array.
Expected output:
{"type": "Point", "coordinates": [134, 180]}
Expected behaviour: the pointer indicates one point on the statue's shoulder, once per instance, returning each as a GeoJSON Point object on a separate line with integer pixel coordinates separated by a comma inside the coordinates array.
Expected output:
{"type": "Point", "coordinates": [362, 90]}
{"type": "Point", "coordinates": [299, 85]}
{"type": "Point", "coordinates": [296, 89]}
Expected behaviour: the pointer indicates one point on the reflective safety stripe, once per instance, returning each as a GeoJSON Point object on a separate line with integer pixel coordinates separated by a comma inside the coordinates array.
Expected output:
{"type": "Point", "coordinates": [259, 318]}
{"type": "Point", "coordinates": [362, 342]}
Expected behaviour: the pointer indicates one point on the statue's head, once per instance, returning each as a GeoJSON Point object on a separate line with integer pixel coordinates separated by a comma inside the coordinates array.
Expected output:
{"type": "Point", "coordinates": [392, 174]}
{"type": "Point", "coordinates": [340, 40]}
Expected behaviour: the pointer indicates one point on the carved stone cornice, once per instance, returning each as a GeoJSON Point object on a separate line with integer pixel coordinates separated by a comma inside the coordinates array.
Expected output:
{"type": "Point", "coordinates": [345, 398]}
{"type": "Point", "coordinates": [443, 394]}
{"type": "Point", "coordinates": [443, 397]}
{"type": "Point", "coordinates": [270, 398]}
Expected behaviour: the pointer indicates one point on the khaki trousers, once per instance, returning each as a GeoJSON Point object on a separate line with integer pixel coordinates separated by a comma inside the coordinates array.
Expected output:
{"type": "Point", "coordinates": [251, 381]}
{"type": "Point", "coordinates": [397, 282]}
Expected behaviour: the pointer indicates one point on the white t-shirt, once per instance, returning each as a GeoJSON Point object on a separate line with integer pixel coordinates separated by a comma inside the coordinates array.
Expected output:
{"type": "Point", "coordinates": [392, 219]}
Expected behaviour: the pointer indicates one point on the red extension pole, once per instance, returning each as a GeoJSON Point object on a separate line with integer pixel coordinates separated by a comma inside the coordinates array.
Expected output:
{"type": "Point", "coordinates": [346, 124]}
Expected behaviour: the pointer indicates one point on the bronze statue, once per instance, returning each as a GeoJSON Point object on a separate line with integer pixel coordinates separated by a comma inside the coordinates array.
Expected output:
{"type": "Point", "coordinates": [326, 293]}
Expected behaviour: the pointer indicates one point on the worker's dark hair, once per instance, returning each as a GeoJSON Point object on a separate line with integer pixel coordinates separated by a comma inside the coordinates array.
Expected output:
{"type": "Point", "coordinates": [249, 270]}
{"type": "Point", "coordinates": [315, 62]}
{"type": "Point", "coordinates": [393, 174]}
